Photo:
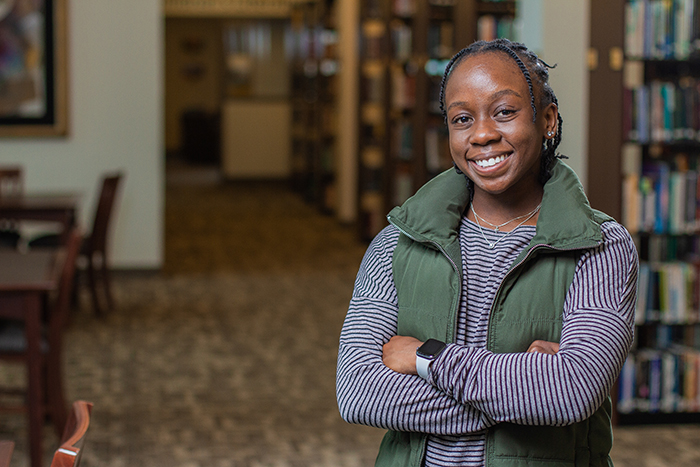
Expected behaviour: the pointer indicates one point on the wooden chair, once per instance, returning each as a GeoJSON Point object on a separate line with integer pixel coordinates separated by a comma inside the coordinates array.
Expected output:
{"type": "Point", "coordinates": [94, 247]}
{"type": "Point", "coordinates": [6, 449]}
{"type": "Point", "coordinates": [47, 399]}
{"type": "Point", "coordinates": [11, 182]}
{"type": "Point", "coordinates": [70, 451]}
{"type": "Point", "coordinates": [11, 186]}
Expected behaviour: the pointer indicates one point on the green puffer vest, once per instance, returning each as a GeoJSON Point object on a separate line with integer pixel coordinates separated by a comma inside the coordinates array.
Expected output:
{"type": "Point", "coordinates": [427, 270]}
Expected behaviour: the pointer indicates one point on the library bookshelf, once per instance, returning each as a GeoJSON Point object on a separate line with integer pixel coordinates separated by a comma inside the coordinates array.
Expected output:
{"type": "Point", "coordinates": [660, 163]}
{"type": "Point", "coordinates": [404, 47]}
{"type": "Point", "coordinates": [313, 91]}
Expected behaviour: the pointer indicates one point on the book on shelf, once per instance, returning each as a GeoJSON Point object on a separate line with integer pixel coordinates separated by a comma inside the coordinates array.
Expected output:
{"type": "Point", "coordinates": [403, 87]}
{"type": "Point", "coordinates": [403, 140]}
{"type": "Point", "coordinates": [437, 150]}
{"type": "Point", "coordinates": [372, 82]}
{"type": "Point", "coordinates": [373, 8]}
{"type": "Point", "coordinates": [373, 31]}
{"type": "Point", "coordinates": [401, 40]}
{"type": "Point", "coordinates": [405, 8]}
{"type": "Point", "coordinates": [403, 186]}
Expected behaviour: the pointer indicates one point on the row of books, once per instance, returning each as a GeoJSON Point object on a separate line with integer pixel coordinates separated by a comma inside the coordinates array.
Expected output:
{"type": "Point", "coordinates": [668, 293]}
{"type": "Point", "coordinates": [312, 43]}
{"type": "Point", "coordinates": [668, 248]}
{"type": "Point", "coordinates": [437, 149]}
{"type": "Point", "coordinates": [662, 29]}
{"type": "Point", "coordinates": [372, 39]}
{"type": "Point", "coordinates": [660, 381]}
{"type": "Point", "coordinates": [403, 140]}
{"type": "Point", "coordinates": [372, 82]}
{"type": "Point", "coordinates": [662, 111]}
{"type": "Point", "coordinates": [372, 213]}
{"type": "Point", "coordinates": [403, 185]}
{"type": "Point", "coordinates": [490, 27]}
{"type": "Point", "coordinates": [661, 200]}
{"type": "Point", "coordinates": [666, 336]}
{"type": "Point", "coordinates": [441, 39]}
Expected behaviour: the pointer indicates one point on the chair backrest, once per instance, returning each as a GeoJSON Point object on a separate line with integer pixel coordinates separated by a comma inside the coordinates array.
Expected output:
{"type": "Point", "coordinates": [61, 304]}
{"type": "Point", "coordinates": [103, 213]}
{"type": "Point", "coordinates": [70, 451]}
{"type": "Point", "coordinates": [6, 449]}
{"type": "Point", "coordinates": [11, 182]}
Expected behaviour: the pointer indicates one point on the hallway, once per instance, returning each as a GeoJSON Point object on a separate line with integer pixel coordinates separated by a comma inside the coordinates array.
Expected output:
{"type": "Point", "coordinates": [227, 357]}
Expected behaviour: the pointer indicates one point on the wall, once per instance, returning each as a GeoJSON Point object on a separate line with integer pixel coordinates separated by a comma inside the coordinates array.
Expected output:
{"type": "Point", "coordinates": [557, 30]}
{"type": "Point", "coordinates": [565, 30]}
{"type": "Point", "coordinates": [116, 106]}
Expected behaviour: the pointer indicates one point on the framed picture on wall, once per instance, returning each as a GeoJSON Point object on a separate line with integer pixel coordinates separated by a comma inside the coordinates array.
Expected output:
{"type": "Point", "coordinates": [33, 81]}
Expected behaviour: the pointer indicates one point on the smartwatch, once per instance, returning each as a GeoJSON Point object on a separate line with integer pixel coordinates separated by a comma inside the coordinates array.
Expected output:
{"type": "Point", "coordinates": [426, 353]}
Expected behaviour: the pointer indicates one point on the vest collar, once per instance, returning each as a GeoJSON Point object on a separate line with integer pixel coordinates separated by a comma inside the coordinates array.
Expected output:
{"type": "Point", "coordinates": [566, 219]}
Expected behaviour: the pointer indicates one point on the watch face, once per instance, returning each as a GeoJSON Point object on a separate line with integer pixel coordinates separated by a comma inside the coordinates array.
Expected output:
{"type": "Point", "coordinates": [430, 348]}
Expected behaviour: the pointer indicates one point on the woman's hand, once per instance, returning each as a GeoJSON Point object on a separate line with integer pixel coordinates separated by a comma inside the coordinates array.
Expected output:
{"type": "Point", "coordinates": [400, 354]}
{"type": "Point", "coordinates": [547, 347]}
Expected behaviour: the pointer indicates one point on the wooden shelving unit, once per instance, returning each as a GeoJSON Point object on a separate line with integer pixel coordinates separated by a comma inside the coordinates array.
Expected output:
{"type": "Point", "coordinates": [314, 90]}
{"type": "Point", "coordinates": [660, 206]}
{"type": "Point", "coordinates": [405, 45]}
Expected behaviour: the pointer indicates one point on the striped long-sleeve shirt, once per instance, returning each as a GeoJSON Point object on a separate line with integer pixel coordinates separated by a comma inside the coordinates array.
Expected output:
{"type": "Point", "coordinates": [470, 388]}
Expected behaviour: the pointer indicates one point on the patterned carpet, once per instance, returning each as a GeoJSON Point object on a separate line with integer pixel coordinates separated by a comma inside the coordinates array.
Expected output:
{"type": "Point", "coordinates": [226, 358]}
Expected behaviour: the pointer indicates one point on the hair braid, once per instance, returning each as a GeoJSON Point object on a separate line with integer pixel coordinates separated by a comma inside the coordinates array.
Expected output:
{"type": "Point", "coordinates": [443, 83]}
{"type": "Point", "coordinates": [526, 73]}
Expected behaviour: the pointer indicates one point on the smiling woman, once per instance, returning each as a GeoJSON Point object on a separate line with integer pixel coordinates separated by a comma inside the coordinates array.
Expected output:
{"type": "Point", "coordinates": [497, 308]}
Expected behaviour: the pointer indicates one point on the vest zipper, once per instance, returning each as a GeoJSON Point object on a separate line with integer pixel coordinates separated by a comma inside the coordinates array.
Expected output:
{"type": "Point", "coordinates": [454, 311]}
{"type": "Point", "coordinates": [528, 255]}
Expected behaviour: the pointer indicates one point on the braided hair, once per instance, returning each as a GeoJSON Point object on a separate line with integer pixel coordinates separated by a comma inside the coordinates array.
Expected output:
{"type": "Point", "coordinates": [532, 67]}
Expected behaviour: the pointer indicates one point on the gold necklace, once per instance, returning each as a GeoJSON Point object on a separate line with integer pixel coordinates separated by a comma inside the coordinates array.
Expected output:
{"type": "Point", "coordinates": [492, 245]}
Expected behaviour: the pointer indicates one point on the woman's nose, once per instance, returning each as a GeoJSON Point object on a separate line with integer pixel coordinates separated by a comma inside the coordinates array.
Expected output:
{"type": "Point", "coordinates": [484, 132]}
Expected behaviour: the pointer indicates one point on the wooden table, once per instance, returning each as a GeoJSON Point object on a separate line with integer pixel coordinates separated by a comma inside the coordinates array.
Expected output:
{"type": "Point", "coordinates": [25, 278]}
{"type": "Point", "coordinates": [51, 207]}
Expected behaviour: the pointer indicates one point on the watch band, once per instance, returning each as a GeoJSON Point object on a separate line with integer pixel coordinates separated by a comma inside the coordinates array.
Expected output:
{"type": "Point", "coordinates": [423, 366]}
{"type": "Point", "coordinates": [425, 354]}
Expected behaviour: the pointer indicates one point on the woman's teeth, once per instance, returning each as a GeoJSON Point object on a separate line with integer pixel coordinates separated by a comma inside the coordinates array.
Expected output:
{"type": "Point", "coordinates": [490, 162]}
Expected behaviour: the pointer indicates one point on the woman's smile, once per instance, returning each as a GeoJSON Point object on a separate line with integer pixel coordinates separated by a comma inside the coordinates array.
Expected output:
{"type": "Point", "coordinates": [489, 162]}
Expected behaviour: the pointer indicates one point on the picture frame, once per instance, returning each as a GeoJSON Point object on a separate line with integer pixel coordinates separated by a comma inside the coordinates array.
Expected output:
{"type": "Point", "coordinates": [33, 68]}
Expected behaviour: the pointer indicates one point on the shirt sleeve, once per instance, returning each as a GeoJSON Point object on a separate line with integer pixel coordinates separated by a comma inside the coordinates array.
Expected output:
{"type": "Point", "coordinates": [370, 393]}
{"type": "Point", "coordinates": [561, 389]}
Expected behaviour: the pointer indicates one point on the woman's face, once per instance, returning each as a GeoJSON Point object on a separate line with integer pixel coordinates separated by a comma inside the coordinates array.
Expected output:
{"type": "Point", "coordinates": [493, 139]}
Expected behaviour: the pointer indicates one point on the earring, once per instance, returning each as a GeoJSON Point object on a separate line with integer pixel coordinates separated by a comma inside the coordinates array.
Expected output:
{"type": "Point", "coordinates": [550, 133]}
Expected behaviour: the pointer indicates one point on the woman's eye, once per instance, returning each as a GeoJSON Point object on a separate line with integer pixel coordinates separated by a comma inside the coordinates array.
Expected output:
{"type": "Point", "coordinates": [461, 120]}
{"type": "Point", "coordinates": [506, 112]}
